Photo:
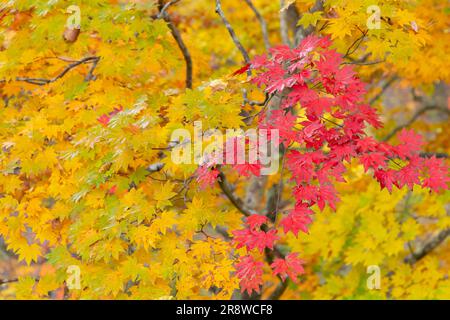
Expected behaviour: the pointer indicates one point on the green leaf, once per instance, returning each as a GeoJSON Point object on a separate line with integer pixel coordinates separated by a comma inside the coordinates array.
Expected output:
{"type": "Point", "coordinates": [309, 19]}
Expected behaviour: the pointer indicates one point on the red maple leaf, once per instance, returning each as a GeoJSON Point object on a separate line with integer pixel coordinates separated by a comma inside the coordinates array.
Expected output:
{"type": "Point", "coordinates": [408, 175]}
{"type": "Point", "coordinates": [313, 78]}
{"type": "Point", "coordinates": [112, 190]}
{"type": "Point", "coordinates": [297, 220]}
{"type": "Point", "coordinates": [373, 160]}
{"type": "Point", "coordinates": [255, 221]}
{"type": "Point", "coordinates": [386, 178]}
{"type": "Point", "coordinates": [291, 266]}
{"type": "Point", "coordinates": [241, 70]}
{"type": "Point", "coordinates": [247, 169]}
{"type": "Point", "coordinates": [250, 274]}
{"type": "Point", "coordinates": [252, 239]}
{"type": "Point", "coordinates": [206, 176]}
{"type": "Point", "coordinates": [437, 174]}
{"type": "Point", "coordinates": [104, 120]}
{"type": "Point", "coordinates": [411, 143]}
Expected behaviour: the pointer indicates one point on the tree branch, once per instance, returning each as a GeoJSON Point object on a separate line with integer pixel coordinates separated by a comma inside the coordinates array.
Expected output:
{"type": "Point", "coordinates": [162, 10]}
{"type": "Point", "coordinates": [413, 119]}
{"type": "Point", "coordinates": [224, 185]}
{"type": "Point", "coordinates": [43, 81]}
{"type": "Point", "coordinates": [434, 154]}
{"type": "Point", "coordinates": [179, 40]}
{"type": "Point", "coordinates": [385, 86]}
{"type": "Point", "coordinates": [364, 63]}
{"type": "Point", "coordinates": [230, 29]}
{"type": "Point", "coordinates": [428, 247]}
{"type": "Point", "coordinates": [283, 24]}
{"type": "Point", "coordinates": [262, 22]}
{"type": "Point", "coordinates": [355, 45]}
{"type": "Point", "coordinates": [6, 281]}
{"type": "Point", "coordinates": [279, 290]}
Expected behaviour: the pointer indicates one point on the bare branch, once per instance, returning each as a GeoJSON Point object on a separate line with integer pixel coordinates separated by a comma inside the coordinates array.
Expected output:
{"type": "Point", "coordinates": [283, 24]}
{"type": "Point", "coordinates": [43, 81]}
{"type": "Point", "coordinates": [279, 290]}
{"type": "Point", "coordinates": [224, 185]}
{"type": "Point", "coordinates": [434, 154]}
{"type": "Point", "coordinates": [428, 247]}
{"type": "Point", "coordinates": [163, 9]}
{"type": "Point", "coordinates": [385, 86]}
{"type": "Point", "coordinates": [262, 22]}
{"type": "Point", "coordinates": [230, 29]}
{"type": "Point", "coordinates": [179, 40]}
{"type": "Point", "coordinates": [364, 63]}
{"type": "Point", "coordinates": [414, 119]}
{"type": "Point", "coordinates": [6, 281]}
{"type": "Point", "coordinates": [90, 76]}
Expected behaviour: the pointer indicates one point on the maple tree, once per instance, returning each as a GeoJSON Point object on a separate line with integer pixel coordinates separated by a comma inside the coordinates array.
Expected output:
{"type": "Point", "coordinates": [87, 178]}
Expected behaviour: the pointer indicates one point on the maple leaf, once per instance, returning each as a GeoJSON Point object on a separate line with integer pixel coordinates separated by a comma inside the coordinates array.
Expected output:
{"type": "Point", "coordinates": [301, 165]}
{"type": "Point", "coordinates": [297, 220]}
{"type": "Point", "coordinates": [164, 194]}
{"type": "Point", "coordinates": [206, 176]}
{"type": "Point", "coordinates": [368, 114]}
{"type": "Point", "coordinates": [112, 190]}
{"type": "Point", "coordinates": [29, 253]}
{"type": "Point", "coordinates": [241, 70]}
{"type": "Point", "coordinates": [291, 266]}
{"type": "Point", "coordinates": [373, 160]}
{"type": "Point", "coordinates": [247, 169]}
{"type": "Point", "coordinates": [437, 174]}
{"type": "Point", "coordinates": [249, 271]}
{"type": "Point", "coordinates": [251, 239]}
{"type": "Point", "coordinates": [386, 178]}
{"type": "Point", "coordinates": [408, 175]}
{"type": "Point", "coordinates": [255, 221]}
{"type": "Point", "coordinates": [104, 120]}
{"type": "Point", "coordinates": [282, 122]}
{"type": "Point", "coordinates": [411, 143]}
{"type": "Point", "coordinates": [308, 19]}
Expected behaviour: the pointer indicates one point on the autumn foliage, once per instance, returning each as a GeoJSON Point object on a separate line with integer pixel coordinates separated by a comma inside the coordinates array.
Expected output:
{"type": "Point", "coordinates": [87, 181]}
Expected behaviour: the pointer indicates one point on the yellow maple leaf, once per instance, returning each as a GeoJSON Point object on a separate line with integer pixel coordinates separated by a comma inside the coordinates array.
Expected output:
{"type": "Point", "coordinates": [164, 194]}
{"type": "Point", "coordinates": [29, 253]}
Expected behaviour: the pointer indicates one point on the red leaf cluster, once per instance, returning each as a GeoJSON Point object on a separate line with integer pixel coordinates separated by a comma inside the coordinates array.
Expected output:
{"type": "Point", "coordinates": [313, 77]}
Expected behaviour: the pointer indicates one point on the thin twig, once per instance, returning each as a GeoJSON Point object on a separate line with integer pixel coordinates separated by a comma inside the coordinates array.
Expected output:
{"type": "Point", "coordinates": [262, 22]}
{"type": "Point", "coordinates": [179, 40]}
{"type": "Point", "coordinates": [162, 11]}
{"type": "Point", "coordinates": [280, 185]}
{"type": "Point", "coordinates": [331, 121]}
{"type": "Point", "coordinates": [357, 42]}
{"type": "Point", "coordinates": [363, 63]}
{"type": "Point", "coordinates": [230, 29]}
{"type": "Point", "coordinates": [90, 76]}
{"type": "Point", "coordinates": [43, 81]}
{"type": "Point", "coordinates": [413, 119]}
{"type": "Point", "coordinates": [6, 281]}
